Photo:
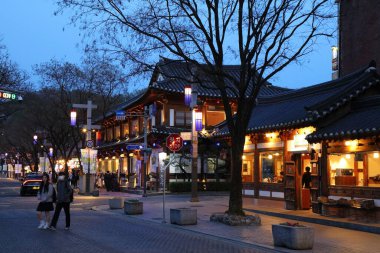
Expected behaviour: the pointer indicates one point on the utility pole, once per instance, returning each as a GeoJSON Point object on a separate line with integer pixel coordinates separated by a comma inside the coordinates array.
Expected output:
{"type": "Point", "coordinates": [89, 144]}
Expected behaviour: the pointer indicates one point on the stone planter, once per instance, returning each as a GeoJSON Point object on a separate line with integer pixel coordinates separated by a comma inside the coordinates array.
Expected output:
{"type": "Point", "coordinates": [293, 237]}
{"type": "Point", "coordinates": [183, 216]}
{"type": "Point", "coordinates": [116, 203]}
{"type": "Point", "coordinates": [132, 207]}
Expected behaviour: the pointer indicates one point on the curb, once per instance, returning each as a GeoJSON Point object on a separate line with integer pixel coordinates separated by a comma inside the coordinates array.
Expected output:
{"type": "Point", "coordinates": [332, 223]}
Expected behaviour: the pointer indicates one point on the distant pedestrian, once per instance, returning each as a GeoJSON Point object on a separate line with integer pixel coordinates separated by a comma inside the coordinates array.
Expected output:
{"type": "Point", "coordinates": [306, 178]}
{"type": "Point", "coordinates": [64, 197]}
{"type": "Point", "coordinates": [107, 181]}
{"type": "Point", "coordinates": [74, 179]}
{"type": "Point", "coordinates": [45, 196]}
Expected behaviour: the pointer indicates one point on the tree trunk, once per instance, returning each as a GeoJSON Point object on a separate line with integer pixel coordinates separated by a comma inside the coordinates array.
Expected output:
{"type": "Point", "coordinates": [236, 200]}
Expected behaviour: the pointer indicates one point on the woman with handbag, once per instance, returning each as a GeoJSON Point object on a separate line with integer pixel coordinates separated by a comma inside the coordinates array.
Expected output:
{"type": "Point", "coordinates": [45, 196]}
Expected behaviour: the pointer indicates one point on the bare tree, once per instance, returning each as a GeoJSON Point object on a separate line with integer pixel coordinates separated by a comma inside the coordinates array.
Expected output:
{"type": "Point", "coordinates": [263, 37]}
{"type": "Point", "coordinates": [11, 76]}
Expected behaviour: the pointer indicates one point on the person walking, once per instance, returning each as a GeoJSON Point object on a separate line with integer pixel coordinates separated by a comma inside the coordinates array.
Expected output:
{"type": "Point", "coordinates": [64, 197]}
{"type": "Point", "coordinates": [45, 196]}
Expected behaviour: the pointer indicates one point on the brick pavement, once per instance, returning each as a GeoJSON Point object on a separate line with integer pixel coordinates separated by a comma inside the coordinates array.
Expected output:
{"type": "Point", "coordinates": [327, 238]}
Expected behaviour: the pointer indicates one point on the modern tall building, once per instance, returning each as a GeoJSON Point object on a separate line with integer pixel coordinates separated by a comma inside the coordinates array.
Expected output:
{"type": "Point", "coordinates": [359, 34]}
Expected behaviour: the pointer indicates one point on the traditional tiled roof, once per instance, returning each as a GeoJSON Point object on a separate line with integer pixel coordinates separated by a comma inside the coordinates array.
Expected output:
{"type": "Point", "coordinates": [155, 130]}
{"type": "Point", "coordinates": [175, 75]}
{"type": "Point", "coordinates": [362, 121]}
{"type": "Point", "coordinates": [169, 130]}
{"type": "Point", "coordinates": [122, 106]}
{"type": "Point", "coordinates": [301, 107]}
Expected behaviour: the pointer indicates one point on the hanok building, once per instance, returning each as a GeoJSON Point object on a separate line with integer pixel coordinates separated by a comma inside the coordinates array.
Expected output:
{"type": "Point", "coordinates": [333, 128]}
{"type": "Point", "coordinates": [122, 140]}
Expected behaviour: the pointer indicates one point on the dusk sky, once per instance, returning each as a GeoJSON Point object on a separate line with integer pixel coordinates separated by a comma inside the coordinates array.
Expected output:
{"type": "Point", "coordinates": [33, 35]}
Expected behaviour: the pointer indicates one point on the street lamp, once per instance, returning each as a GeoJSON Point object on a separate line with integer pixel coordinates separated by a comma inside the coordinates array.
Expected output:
{"type": "Point", "coordinates": [73, 118]}
{"type": "Point", "coordinates": [191, 93]}
{"type": "Point", "coordinates": [35, 138]}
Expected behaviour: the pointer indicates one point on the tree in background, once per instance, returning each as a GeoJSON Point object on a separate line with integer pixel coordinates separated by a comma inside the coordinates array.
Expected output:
{"type": "Point", "coordinates": [11, 76]}
{"type": "Point", "coordinates": [263, 37]}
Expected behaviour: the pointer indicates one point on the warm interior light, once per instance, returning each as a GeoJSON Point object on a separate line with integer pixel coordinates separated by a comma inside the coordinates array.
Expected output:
{"type": "Point", "coordinates": [270, 156]}
{"type": "Point", "coordinates": [106, 158]}
{"type": "Point", "coordinates": [84, 130]}
{"type": "Point", "coordinates": [114, 157]}
{"type": "Point", "coordinates": [348, 156]}
{"type": "Point", "coordinates": [122, 155]}
{"type": "Point", "coordinates": [243, 157]}
{"type": "Point", "coordinates": [376, 155]}
{"type": "Point", "coordinates": [130, 154]}
{"type": "Point", "coordinates": [277, 154]}
{"type": "Point", "coordinates": [353, 143]}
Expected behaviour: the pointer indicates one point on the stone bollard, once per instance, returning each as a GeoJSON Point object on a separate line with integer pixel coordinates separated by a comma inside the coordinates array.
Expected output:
{"type": "Point", "coordinates": [183, 216]}
{"type": "Point", "coordinates": [116, 203]}
{"type": "Point", "coordinates": [133, 206]}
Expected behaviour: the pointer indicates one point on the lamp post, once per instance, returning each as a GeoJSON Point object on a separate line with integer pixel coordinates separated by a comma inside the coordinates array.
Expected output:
{"type": "Point", "coordinates": [191, 96]}
{"type": "Point", "coordinates": [35, 138]}
{"type": "Point", "coordinates": [89, 106]}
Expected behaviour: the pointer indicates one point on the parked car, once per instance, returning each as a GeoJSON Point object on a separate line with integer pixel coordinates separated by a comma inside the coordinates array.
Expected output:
{"type": "Point", "coordinates": [31, 184]}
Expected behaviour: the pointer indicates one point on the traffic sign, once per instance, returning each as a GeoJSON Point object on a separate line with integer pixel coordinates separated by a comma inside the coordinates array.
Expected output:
{"type": "Point", "coordinates": [89, 143]}
{"type": "Point", "coordinates": [133, 147]}
{"type": "Point", "coordinates": [174, 142]}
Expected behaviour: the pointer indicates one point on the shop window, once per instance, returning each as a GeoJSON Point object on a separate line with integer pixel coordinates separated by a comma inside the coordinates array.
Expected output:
{"type": "Point", "coordinates": [125, 129]}
{"type": "Point", "coordinates": [182, 118]}
{"type": "Point", "coordinates": [373, 169]}
{"type": "Point", "coordinates": [271, 165]}
{"type": "Point", "coordinates": [360, 169]}
{"type": "Point", "coordinates": [342, 169]}
{"type": "Point", "coordinates": [247, 167]}
{"type": "Point", "coordinates": [135, 127]}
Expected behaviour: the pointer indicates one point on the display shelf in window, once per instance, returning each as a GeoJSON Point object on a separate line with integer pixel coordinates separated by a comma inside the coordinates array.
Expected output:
{"type": "Point", "coordinates": [290, 186]}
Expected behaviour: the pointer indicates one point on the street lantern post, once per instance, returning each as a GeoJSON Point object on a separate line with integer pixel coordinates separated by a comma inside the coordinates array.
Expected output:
{"type": "Point", "coordinates": [89, 106]}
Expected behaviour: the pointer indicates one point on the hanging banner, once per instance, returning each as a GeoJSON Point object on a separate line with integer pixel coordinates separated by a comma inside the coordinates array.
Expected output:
{"type": "Point", "coordinates": [88, 159]}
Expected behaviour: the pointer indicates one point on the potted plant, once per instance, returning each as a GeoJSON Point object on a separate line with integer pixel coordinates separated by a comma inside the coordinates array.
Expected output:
{"type": "Point", "coordinates": [293, 235]}
{"type": "Point", "coordinates": [133, 206]}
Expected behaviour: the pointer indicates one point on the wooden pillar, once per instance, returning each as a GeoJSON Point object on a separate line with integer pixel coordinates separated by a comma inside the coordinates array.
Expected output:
{"type": "Point", "coordinates": [323, 171]}
{"type": "Point", "coordinates": [365, 170]}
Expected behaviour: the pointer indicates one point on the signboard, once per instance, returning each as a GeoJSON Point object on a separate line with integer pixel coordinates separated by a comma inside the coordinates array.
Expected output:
{"type": "Point", "coordinates": [89, 160]}
{"type": "Point", "coordinates": [120, 115]}
{"type": "Point", "coordinates": [186, 136]}
{"type": "Point", "coordinates": [174, 142]}
{"type": "Point", "coordinates": [133, 147]}
{"type": "Point", "coordinates": [89, 143]}
{"type": "Point", "coordinates": [9, 95]}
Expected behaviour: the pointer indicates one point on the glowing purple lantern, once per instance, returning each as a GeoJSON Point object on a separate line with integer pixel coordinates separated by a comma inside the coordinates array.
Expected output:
{"type": "Point", "coordinates": [73, 118]}
{"type": "Point", "coordinates": [198, 121]}
{"type": "Point", "coordinates": [187, 95]}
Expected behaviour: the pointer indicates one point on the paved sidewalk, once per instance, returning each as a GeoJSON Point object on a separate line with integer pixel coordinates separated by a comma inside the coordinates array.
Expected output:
{"type": "Point", "coordinates": [327, 238]}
